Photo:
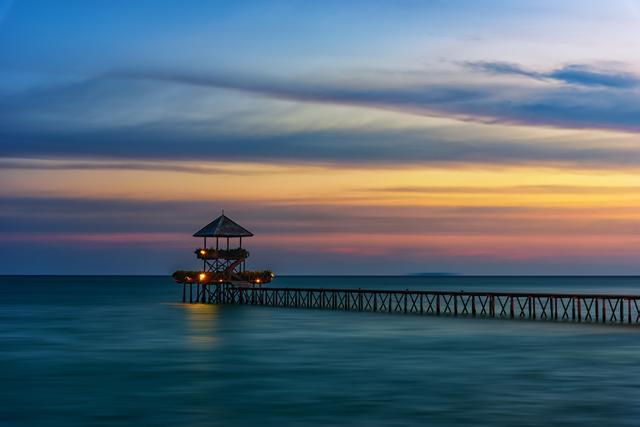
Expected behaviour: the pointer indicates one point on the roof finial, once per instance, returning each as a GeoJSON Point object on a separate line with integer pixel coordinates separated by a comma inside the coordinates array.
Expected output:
{"type": "Point", "coordinates": [222, 211]}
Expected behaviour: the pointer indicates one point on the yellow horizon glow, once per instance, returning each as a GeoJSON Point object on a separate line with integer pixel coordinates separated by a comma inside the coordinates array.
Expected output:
{"type": "Point", "coordinates": [566, 195]}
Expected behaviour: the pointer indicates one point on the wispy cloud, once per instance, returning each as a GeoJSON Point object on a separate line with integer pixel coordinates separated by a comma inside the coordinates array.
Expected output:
{"type": "Point", "coordinates": [348, 147]}
{"type": "Point", "coordinates": [121, 165]}
{"type": "Point", "coordinates": [576, 74]}
{"type": "Point", "coordinates": [503, 68]}
{"type": "Point", "coordinates": [30, 122]}
{"type": "Point", "coordinates": [595, 104]}
{"type": "Point", "coordinates": [24, 133]}
{"type": "Point", "coordinates": [515, 189]}
{"type": "Point", "coordinates": [75, 215]}
{"type": "Point", "coordinates": [583, 75]}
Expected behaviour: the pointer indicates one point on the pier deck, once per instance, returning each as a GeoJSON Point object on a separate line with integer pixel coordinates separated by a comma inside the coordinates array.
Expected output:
{"type": "Point", "coordinates": [594, 308]}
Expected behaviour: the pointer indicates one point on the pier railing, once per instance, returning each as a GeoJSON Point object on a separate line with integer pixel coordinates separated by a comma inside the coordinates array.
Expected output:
{"type": "Point", "coordinates": [600, 308]}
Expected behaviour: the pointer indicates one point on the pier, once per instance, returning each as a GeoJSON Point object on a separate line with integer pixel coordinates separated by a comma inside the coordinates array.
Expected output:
{"type": "Point", "coordinates": [224, 279]}
{"type": "Point", "coordinates": [589, 308]}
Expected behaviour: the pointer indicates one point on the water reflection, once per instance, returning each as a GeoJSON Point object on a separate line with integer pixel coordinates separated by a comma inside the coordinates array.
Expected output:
{"type": "Point", "coordinates": [134, 357]}
{"type": "Point", "coordinates": [202, 320]}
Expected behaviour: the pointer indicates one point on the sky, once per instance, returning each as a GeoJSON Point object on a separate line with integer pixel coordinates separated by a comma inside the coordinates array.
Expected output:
{"type": "Point", "coordinates": [359, 137]}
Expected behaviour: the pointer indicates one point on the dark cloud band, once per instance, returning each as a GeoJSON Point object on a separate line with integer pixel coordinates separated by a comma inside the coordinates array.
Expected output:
{"type": "Point", "coordinates": [24, 134]}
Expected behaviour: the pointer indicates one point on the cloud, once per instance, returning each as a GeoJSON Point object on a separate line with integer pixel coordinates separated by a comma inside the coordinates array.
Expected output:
{"type": "Point", "coordinates": [98, 119]}
{"type": "Point", "coordinates": [516, 189]}
{"type": "Point", "coordinates": [575, 74]}
{"type": "Point", "coordinates": [160, 166]}
{"type": "Point", "coordinates": [582, 75]}
{"type": "Point", "coordinates": [567, 106]}
{"type": "Point", "coordinates": [34, 215]}
{"type": "Point", "coordinates": [503, 68]}
{"type": "Point", "coordinates": [348, 147]}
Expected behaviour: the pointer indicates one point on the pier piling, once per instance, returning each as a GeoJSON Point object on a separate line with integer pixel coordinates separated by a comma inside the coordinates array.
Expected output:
{"type": "Point", "coordinates": [584, 308]}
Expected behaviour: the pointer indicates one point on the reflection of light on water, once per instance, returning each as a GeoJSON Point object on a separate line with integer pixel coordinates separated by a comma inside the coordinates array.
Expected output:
{"type": "Point", "coordinates": [202, 320]}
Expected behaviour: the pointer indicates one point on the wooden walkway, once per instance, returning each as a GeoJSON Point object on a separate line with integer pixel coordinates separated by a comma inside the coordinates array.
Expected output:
{"type": "Point", "coordinates": [594, 308]}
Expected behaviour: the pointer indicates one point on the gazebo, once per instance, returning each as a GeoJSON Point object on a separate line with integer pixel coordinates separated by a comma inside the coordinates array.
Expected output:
{"type": "Point", "coordinates": [222, 264]}
{"type": "Point", "coordinates": [223, 261]}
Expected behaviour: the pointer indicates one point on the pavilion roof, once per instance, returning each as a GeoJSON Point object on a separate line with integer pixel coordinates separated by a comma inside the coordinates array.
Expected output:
{"type": "Point", "coordinates": [223, 227]}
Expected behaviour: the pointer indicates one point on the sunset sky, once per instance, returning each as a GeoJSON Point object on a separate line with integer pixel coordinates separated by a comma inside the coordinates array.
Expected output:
{"type": "Point", "coordinates": [352, 137]}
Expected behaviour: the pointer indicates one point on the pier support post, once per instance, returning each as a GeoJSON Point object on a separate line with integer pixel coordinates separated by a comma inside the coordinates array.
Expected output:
{"type": "Point", "coordinates": [621, 310]}
{"type": "Point", "coordinates": [533, 307]}
{"type": "Point", "coordinates": [579, 309]}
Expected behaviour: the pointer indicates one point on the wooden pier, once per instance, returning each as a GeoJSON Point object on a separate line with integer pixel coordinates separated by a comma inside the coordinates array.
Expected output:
{"type": "Point", "coordinates": [590, 308]}
{"type": "Point", "coordinates": [224, 280]}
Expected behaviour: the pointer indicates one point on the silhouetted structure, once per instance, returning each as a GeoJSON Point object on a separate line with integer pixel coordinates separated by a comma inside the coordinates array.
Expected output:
{"type": "Point", "coordinates": [224, 280]}
{"type": "Point", "coordinates": [227, 263]}
{"type": "Point", "coordinates": [585, 308]}
{"type": "Point", "coordinates": [221, 266]}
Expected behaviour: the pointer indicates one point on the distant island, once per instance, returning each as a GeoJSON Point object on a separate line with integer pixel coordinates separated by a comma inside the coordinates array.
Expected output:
{"type": "Point", "coordinates": [435, 273]}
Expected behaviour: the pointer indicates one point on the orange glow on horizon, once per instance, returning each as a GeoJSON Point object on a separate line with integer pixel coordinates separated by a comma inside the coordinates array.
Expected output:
{"type": "Point", "coordinates": [508, 213]}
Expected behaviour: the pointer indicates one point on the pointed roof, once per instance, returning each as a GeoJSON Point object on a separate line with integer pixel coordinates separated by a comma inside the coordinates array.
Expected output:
{"type": "Point", "coordinates": [223, 227]}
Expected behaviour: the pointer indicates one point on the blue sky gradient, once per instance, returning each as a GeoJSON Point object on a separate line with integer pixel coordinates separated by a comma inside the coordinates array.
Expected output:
{"type": "Point", "coordinates": [542, 96]}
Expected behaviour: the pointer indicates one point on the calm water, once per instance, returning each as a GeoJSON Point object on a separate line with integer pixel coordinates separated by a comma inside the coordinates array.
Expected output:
{"type": "Point", "coordinates": [104, 351]}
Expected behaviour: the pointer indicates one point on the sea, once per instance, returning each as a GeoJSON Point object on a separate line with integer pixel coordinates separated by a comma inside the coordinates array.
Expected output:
{"type": "Point", "coordinates": [123, 351]}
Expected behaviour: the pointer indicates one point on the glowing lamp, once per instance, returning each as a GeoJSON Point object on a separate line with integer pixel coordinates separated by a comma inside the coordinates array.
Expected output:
{"type": "Point", "coordinates": [257, 280]}
{"type": "Point", "coordinates": [202, 252]}
{"type": "Point", "coordinates": [202, 276]}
